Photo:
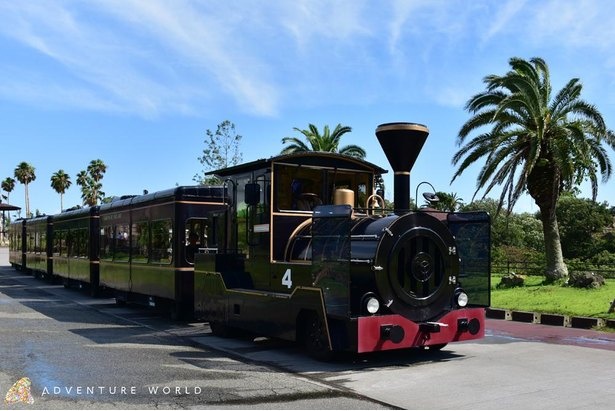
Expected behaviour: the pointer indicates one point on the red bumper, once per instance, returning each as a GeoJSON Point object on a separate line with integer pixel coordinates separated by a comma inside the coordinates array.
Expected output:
{"type": "Point", "coordinates": [391, 332]}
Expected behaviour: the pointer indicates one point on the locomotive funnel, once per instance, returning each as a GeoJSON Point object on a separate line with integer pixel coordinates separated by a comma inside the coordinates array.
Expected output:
{"type": "Point", "coordinates": [402, 143]}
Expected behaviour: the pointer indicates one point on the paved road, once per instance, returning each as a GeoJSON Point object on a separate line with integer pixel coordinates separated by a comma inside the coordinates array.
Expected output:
{"type": "Point", "coordinates": [506, 370]}
{"type": "Point", "coordinates": [517, 366]}
{"type": "Point", "coordinates": [85, 353]}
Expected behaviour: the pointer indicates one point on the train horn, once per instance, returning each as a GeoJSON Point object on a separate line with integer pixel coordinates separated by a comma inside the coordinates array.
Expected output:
{"type": "Point", "coordinates": [402, 143]}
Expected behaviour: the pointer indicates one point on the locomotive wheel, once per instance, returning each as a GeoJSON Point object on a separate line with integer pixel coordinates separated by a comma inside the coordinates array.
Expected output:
{"type": "Point", "coordinates": [315, 339]}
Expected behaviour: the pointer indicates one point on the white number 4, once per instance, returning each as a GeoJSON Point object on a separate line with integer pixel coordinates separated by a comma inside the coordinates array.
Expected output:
{"type": "Point", "coordinates": [287, 280]}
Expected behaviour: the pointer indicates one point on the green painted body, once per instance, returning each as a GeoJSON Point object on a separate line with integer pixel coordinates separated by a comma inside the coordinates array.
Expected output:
{"type": "Point", "coordinates": [75, 247]}
{"type": "Point", "coordinates": [39, 236]}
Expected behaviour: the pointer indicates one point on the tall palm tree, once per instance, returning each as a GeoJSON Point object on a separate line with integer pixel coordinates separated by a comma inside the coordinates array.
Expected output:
{"type": "Point", "coordinates": [24, 173]}
{"type": "Point", "coordinates": [537, 143]}
{"type": "Point", "coordinates": [91, 187]}
{"type": "Point", "coordinates": [86, 182]}
{"type": "Point", "coordinates": [327, 141]}
{"type": "Point", "coordinates": [8, 185]}
{"type": "Point", "coordinates": [60, 182]}
{"type": "Point", "coordinates": [96, 169]}
{"type": "Point", "coordinates": [82, 178]}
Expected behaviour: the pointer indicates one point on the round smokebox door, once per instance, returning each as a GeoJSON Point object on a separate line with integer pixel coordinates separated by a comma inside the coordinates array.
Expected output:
{"type": "Point", "coordinates": [418, 257]}
{"type": "Point", "coordinates": [417, 265]}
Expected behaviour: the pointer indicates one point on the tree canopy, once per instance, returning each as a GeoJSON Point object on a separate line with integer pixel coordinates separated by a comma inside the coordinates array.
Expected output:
{"type": "Point", "coordinates": [328, 141]}
{"type": "Point", "coordinates": [221, 151]}
{"type": "Point", "coordinates": [60, 182]}
{"type": "Point", "coordinates": [89, 180]}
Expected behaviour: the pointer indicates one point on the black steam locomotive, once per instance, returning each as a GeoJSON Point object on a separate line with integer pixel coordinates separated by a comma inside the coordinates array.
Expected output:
{"type": "Point", "coordinates": [318, 260]}
{"type": "Point", "coordinates": [297, 247]}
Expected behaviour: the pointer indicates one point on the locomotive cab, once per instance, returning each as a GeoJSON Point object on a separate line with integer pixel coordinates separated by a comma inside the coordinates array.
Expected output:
{"type": "Point", "coordinates": [318, 259]}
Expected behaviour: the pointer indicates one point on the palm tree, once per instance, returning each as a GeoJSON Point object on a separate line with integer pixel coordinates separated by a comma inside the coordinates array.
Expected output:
{"type": "Point", "coordinates": [537, 143]}
{"type": "Point", "coordinates": [8, 185]}
{"type": "Point", "coordinates": [60, 182]}
{"type": "Point", "coordinates": [448, 202]}
{"type": "Point", "coordinates": [24, 173]}
{"type": "Point", "coordinates": [96, 169]}
{"type": "Point", "coordinates": [82, 178]}
{"type": "Point", "coordinates": [327, 141]}
{"type": "Point", "coordinates": [91, 187]}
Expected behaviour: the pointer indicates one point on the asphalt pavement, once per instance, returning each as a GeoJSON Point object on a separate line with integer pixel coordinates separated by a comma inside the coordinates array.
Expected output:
{"type": "Point", "coordinates": [65, 340]}
{"type": "Point", "coordinates": [79, 352]}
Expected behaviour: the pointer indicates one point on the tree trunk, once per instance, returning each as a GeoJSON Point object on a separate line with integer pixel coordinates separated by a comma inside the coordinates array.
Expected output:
{"type": "Point", "coordinates": [556, 268]}
{"type": "Point", "coordinates": [544, 185]}
{"type": "Point", "coordinates": [27, 201]}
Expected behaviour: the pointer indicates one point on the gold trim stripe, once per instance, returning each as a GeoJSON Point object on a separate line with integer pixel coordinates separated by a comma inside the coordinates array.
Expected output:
{"type": "Point", "coordinates": [402, 126]}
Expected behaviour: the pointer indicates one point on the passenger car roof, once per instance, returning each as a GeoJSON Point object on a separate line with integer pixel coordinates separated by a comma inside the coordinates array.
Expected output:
{"type": "Point", "coordinates": [311, 158]}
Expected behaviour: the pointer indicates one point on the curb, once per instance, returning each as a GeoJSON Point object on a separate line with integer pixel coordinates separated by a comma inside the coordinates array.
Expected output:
{"type": "Point", "coordinates": [549, 319]}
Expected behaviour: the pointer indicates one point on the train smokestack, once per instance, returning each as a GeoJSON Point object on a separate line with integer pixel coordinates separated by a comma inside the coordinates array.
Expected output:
{"type": "Point", "coordinates": [402, 143]}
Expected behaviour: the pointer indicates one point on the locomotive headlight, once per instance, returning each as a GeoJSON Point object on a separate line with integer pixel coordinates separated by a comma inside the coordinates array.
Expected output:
{"type": "Point", "coordinates": [370, 303]}
{"type": "Point", "coordinates": [461, 298]}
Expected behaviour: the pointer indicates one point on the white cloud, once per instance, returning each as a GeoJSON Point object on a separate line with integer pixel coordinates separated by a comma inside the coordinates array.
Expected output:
{"type": "Point", "coordinates": [307, 20]}
{"type": "Point", "coordinates": [156, 56]}
{"type": "Point", "coordinates": [208, 41]}
{"type": "Point", "coordinates": [502, 18]}
{"type": "Point", "coordinates": [585, 23]}
{"type": "Point", "coordinates": [152, 57]}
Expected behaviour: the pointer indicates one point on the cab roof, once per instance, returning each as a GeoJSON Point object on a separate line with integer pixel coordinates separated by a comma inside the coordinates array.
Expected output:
{"type": "Point", "coordinates": [307, 158]}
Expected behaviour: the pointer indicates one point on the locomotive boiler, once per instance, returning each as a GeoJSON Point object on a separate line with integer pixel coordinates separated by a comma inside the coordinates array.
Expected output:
{"type": "Point", "coordinates": [311, 254]}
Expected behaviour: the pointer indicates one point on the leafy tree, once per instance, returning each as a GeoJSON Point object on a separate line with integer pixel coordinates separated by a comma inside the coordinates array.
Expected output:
{"type": "Point", "coordinates": [327, 141]}
{"type": "Point", "coordinates": [221, 151]}
{"type": "Point", "coordinates": [91, 187]}
{"type": "Point", "coordinates": [537, 142]}
{"type": "Point", "coordinates": [25, 174]}
{"type": "Point", "coordinates": [603, 258]}
{"type": "Point", "coordinates": [582, 222]}
{"type": "Point", "coordinates": [8, 185]}
{"type": "Point", "coordinates": [525, 230]}
{"type": "Point", "coordinates": [60, 182]}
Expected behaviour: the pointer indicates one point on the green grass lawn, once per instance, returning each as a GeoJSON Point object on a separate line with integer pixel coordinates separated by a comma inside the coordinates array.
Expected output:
{"type": "Point", "coordinates": [554, 299]}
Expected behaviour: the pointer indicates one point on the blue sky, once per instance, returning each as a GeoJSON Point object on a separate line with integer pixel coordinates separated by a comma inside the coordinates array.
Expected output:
{"type": "Point", "coordinates": [137, 83]}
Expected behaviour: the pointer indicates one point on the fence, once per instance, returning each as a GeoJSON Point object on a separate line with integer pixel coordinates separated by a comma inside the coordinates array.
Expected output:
{"type": "Point", "coordinates": [534, 268]}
